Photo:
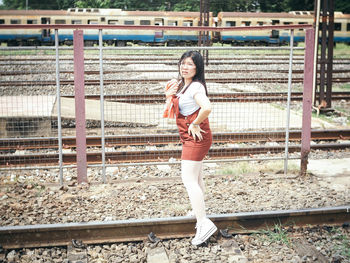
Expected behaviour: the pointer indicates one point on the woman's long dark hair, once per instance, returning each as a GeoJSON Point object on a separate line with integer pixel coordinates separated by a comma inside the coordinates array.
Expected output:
{"type": "Point", "coordinates": [198, 61]}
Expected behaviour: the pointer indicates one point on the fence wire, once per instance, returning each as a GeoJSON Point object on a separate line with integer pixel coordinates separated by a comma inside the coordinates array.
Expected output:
{"type": "Point", "coordinates": [247, 87]}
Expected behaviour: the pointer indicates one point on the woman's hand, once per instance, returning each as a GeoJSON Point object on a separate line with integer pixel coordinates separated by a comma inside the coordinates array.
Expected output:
{"type": "Point", "coordinates": [171, 88]}
{"type": "Point", "coordinates": [195, 131]}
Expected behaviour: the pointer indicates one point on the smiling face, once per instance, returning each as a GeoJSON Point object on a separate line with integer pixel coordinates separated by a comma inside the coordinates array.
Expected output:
{"type": "Point", "coordinates": [187, 68]}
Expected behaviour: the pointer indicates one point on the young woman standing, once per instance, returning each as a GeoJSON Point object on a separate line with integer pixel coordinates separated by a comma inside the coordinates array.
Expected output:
{"type": "Point", "coordinates": [192, 107]}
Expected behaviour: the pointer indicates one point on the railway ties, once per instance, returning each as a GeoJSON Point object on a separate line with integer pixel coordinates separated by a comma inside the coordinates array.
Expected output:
{"type": "Point", "coordinates": [159, 155]}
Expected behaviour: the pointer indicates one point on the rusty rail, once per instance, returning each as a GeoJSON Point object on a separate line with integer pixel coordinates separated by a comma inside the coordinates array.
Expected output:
{"type": "Point", "coordinates": [157, 80]}
{"type": "Point", "coordinates": [9, 161]}
{"type": "Point", "coordinates": [12, 237]}
{"type": "Point", "coordinates": [163, 139]}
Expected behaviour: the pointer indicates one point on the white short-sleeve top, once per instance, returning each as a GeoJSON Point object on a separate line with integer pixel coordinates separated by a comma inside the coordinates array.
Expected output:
{"type": "Point", "coordinates": [187, 103]}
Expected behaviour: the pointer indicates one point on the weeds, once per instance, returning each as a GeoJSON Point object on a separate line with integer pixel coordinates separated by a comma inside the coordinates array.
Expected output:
{"type": "Point", "coordinates": [275, 235]}
{"type": "Point", "coordinates": [343, 242]}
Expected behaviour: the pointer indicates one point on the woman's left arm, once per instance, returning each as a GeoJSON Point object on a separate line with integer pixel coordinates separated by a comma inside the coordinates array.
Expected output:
{"type": "Point", "coordinates": [205, 108]}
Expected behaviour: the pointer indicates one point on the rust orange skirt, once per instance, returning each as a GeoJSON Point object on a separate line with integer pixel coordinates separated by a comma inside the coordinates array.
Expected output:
{"type": "Point", "coordinates": [191, 149]}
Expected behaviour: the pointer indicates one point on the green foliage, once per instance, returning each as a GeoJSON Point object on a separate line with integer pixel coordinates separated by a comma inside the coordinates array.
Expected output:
{"type": "Point", "coordinates": [275, 235]}
{"type": "Point", "coordinates": [343, 244]}
{"type": "Point", "coordinates": [93, 3]}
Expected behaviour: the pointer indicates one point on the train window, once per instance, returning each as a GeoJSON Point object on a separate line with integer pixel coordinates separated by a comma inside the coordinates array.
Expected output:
{"type": "Point", "coordinates": [103, 19]}
{"type": "Point", "coordinates": [15, 21]}
{"type": "Point", "coordinates": [95, 10]}
{"type": "Point", "coordinates": [31, 21]}
{"type": "Point", "coordinates": [76, 22]}
{"type": "Point", "coordinates": [246, 23]}
{"type": "Point", "coordinates": [145, 22]}
{"type": "Point", "coordinates": [275, 22]}
{"type": "Point", "coordinates": [260, 23]}
{"type": "Point", "coordinates": [113, 22]}
{"type": "Point", "coordinates": [60, 21]}
{"type": "Point", "coordinates": [302, 23]}
{"type": "Point", "coordinates": [2, 21]}
{"type": "Point", "coordinates": [80, 10]}
{"type": "Point", "coordinates": [172, 23]}
{"type": "Point", "coordinates": [128, 22]}
{"type": "Point", "coordinates": [230, 23]}
{"type": "Point", "coordinates": [287, 23]}
{"type": "Point", "coordinates": [348, 27]}
{"type": "Point", "coordinates": [337, 26]}
{"type": "Point", "coordinates": [159, 21]}
{"type": "Point", "coordinates": [88, 10]}
{"type": "Point", "coordinates": [187, 23]}
{"type": "Point", "coordinates": [92, 22]}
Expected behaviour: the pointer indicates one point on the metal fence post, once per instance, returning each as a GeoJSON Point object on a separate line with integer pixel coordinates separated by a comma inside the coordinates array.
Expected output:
{"type": "Point", "coordinates": [102, 108]}
{"type": "Point", "coordinates": [286, 151]}
{"type": "Point", "coordinates": [59, 121]}
{"type": "Point", "coordinates": [307, 98]}
{"type": "Point", "coordinates": [79, 95]}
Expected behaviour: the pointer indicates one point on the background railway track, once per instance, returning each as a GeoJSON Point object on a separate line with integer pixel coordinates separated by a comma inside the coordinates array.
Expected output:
{"type": "Point", "coordinates": [163, 139]}
{"type": "Point", "coordinates": [156, 155]}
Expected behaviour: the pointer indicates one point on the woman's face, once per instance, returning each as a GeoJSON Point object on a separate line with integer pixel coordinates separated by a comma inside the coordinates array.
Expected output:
{"type": "Point", "coordinates": [187, 68]}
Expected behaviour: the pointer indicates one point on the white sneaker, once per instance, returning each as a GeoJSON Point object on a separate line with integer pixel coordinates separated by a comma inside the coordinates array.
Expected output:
{"type": "Point", "coordinates": [204, 230]}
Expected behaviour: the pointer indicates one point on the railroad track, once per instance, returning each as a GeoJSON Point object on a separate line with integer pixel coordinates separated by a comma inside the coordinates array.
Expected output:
{"type": "Point", "coordinates": [217, 97]}
{"type": "Point", "coordinates": [13, 237]}
{"type": "Point", "coordinates": [173, 63]}
{"type": "Point", "coordinates": [157, 80]}
{"type": "Point", "coordinates": [215, 153]}
{"type": "Point", "coordinates": [119, 71]}
{"type": "Point", "coordinates": [161, 155]}
{"type": "Point", "coordinates": [164, 139]}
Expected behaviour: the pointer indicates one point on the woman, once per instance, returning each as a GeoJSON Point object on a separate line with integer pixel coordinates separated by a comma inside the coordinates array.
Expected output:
{"type": "Point", "coordinates": [192, 108]}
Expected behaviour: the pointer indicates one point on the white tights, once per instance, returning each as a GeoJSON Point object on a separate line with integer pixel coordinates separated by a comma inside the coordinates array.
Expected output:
{"type": "Point", "coordinates": [192, 178]}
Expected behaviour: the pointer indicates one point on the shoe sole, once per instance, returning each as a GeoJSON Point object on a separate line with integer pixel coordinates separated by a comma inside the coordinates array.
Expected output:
{"type": "Point", "coordinates": [207, 235]}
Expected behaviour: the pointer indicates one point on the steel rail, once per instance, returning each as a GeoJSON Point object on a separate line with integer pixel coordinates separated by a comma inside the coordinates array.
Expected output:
{"type": "Point", "coordinates": [174, 63]}
{"type": "Point", "coordinates": [270, 60]}
{"type": "Point", "coordinates": [172, 58]}
{"type": "Point", "coordinates": [118, 157]}
{"type": "Point", "coordinates": [96, 72]}
{"type": "Point", "coordinates": [157, 80]}
{"type": "Point", "coordinates": [215, 97]}
{"type": "Point", "coordinates": [29, 236]}
{"type": "Point", "coordinates": [163, 139]}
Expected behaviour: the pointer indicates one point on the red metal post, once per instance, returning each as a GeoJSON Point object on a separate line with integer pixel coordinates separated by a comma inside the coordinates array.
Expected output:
{"type": "Point", "coordinates": [80, 126]}
{"type": "Point", "coordinates": [307, 98]}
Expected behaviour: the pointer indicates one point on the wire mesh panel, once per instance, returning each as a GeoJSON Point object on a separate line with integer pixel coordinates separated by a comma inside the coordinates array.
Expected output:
{"type": "Point", "coordinates": [247, 87]}
{"type": "Point", "coordinates": [28, 88]}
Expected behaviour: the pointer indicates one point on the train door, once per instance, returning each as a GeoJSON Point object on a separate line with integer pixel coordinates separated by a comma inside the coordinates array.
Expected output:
{"type": "Point", "coordinates": [46, 33]}
{"type": "Point", "coordinates": [158, 35]}
{"type": "Point", "coordinates": [274, 37]}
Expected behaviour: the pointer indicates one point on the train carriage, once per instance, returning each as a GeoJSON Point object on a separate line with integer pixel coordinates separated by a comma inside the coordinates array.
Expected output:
{"type": "Point", "coordinates": [121, 37]}
{"type": "Point", "coordinates": [277, 37]}
{"type": "Point", "coordinates": [101, 17]}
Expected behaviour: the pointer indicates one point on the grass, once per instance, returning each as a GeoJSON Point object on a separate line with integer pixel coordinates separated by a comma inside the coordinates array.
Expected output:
{"type": "Point", "coordinates": [343, 245]}
{"type": "Point", "coordinates": [275, 235]}
{"type": "Point", "coordinates": [240, 168]}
